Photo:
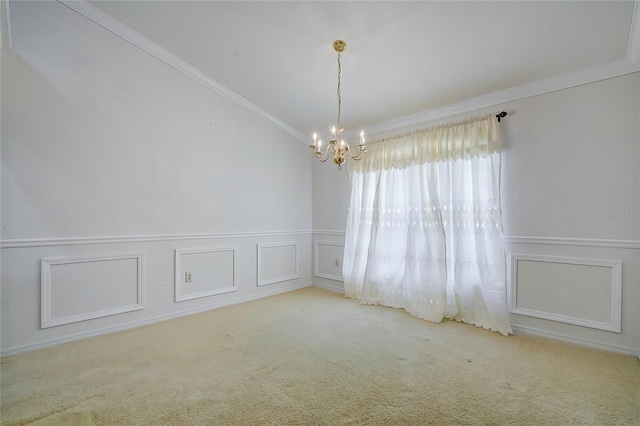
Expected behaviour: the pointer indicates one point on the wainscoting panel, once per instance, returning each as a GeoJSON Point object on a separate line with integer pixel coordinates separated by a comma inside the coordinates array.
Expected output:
{"type": "Point", "coordinates": [328, 260]}
{"type": "Point", "coordinates": [579, 291]}
{"type": "Point", "coordinates": [277, 263]}
{"type": "Point", "coordinates": [76, 289]}
{"type": "Point", "coordinates": [204, 272]}
{"type": "Point", "coordinates": [65, 281]}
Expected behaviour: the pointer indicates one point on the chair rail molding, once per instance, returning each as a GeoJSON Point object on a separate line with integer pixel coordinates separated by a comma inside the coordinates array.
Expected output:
{"type": "Point", "coordinates": [74, 241]}
{"type": "Point", "coordinates": [329, 232]}
{"type": "Point", "coordinates": [569, 241]}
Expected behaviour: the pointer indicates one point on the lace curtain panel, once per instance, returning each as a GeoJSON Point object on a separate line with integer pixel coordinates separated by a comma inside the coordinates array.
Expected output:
{"type": "Point", "coordinates": [424, 227]}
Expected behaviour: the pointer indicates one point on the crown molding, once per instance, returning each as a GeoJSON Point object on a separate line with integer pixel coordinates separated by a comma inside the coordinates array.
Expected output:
{"type": "Point", "coordinates": [552, 84]}
{"type": "Point", "coordinates": [121, 30]}
{"type": "Point", "coordinates": [633, 48]}
{"type": "Point", "coordinates": [604, 71]}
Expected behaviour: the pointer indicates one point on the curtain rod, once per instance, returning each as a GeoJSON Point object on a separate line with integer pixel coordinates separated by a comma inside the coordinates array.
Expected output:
{"type": "Point", "coordinates": [500, 115]}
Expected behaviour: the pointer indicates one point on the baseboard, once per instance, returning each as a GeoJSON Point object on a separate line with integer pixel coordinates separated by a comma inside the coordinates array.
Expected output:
{"type": "Point", "coordinates": [337, 289]}
{"type": "Point", "coordinates": [517, 329]}
{"type": "Point", "coordinates": [521, 329]}
{"type": "Point", "coordinates": [153, 320]}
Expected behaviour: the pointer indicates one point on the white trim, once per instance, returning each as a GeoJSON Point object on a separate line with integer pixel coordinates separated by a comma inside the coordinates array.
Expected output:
{"type": "Point", "coordinates": [123, 31]}
{"type": "Point", "coordinates": [73, 241]}
{"type": "Point", "coordinates": [584, 242]}
{"type": "Point", "coordinates": [552, 84]}
{"type": "Point", "coordinates": [178, 282]}
{"type": "Point", "coordinates": [45, 308]}
{"type": "Point", "coordinates": [9, 36]}
{"type": "Point", "coordinates": [633, 48]}
{"type": "Point", "coordinates": [316, 271]}
{"type": "Point", "coordinates": [329, 287]}
{"type": "Point", "coordinates": [521, 329]}
{"type": "Point", "coordinates": [516, 239]}
{"type": "Point", "coordinates": [615, 320]}
{"type": "Point", "coordinates": [329, 232]}
{"type": "Point", "coordinates": [106, 330]}
{"type": "Point", "coordinates": [260, 282]}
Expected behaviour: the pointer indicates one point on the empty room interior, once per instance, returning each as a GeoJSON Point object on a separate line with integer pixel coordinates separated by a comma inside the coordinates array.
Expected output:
{"type": "Point", "coordinates": [320, 213]}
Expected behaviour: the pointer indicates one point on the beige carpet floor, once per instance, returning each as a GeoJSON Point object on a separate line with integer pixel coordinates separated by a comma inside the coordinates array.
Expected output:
{"type": "Point", "coordinates": [311, 357]}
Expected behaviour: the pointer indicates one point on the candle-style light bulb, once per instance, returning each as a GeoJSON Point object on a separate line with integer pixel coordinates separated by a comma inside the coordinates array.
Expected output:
{"type": "Point", "coordinates": [319, 144]}
{"type": "Point", "coordinates": [315, 136]}
{"type": "Point", "coordinates": [333, 130]}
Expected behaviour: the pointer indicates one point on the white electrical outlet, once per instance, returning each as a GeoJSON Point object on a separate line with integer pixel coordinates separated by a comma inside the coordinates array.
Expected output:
{"type": "Point", "coordinates": [337, 263]}
{"type": "Point", "coordinates": [187, 277]}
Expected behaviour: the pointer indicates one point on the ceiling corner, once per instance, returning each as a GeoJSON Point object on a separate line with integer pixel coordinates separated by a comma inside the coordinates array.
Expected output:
{"type": "Point", "coordinates": [633, 48]}
{"type": "Point", "coordinates": [6, 23]}
{"type": "Point", "coordinates": [128, 34]}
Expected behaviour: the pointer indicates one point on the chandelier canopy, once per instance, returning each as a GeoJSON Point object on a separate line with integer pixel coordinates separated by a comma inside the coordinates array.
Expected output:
{"type": "Point", "coordinates": [337, 146]}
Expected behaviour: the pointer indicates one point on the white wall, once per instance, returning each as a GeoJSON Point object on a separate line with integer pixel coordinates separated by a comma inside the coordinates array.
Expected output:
{"type": "Point", "coordinates": [571, 165]}
{"type": "Point", "coordinates": [109, 156]}
{"type": "Point", "coordinates": [569, 157]}
{"type": "Point", "coordinates": [107, 152]}
{"type": "Point", "coordinates": [331, 189]}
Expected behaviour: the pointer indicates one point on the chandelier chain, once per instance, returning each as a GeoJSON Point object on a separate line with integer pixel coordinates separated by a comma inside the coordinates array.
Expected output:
{"type": "Point", "coordinates": [339, 96]}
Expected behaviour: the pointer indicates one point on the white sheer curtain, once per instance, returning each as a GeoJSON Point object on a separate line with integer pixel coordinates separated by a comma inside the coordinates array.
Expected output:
{"type": "Point", "coordinates": [424, 228]}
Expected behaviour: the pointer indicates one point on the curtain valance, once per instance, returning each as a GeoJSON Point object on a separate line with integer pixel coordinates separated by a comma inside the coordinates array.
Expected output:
{"type": "Point", "coordinates": [474, 137]}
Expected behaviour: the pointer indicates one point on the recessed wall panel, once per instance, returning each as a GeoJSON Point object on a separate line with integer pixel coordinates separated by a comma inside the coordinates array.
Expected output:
{"type": "Point", "coordinates": [328, 260]}
{"type": "Point", "coordinates": [204, 272]}
{"type": "Point", "coordinates": [83, 288]}
{"type": "Point", "coordinates": [277, 263]}
{"type": "Point", "coordinates": [584, 292]}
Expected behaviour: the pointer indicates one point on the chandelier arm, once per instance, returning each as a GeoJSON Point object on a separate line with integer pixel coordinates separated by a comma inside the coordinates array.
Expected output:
{"type": "Point", "coordinates": [359, 155]}
{"type": "Point", "coordinates": [323, 156]}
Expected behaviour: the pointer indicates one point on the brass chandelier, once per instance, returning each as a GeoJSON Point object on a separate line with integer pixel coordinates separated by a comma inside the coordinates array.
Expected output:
{"type": "Point", "coordinates": [337, 146]}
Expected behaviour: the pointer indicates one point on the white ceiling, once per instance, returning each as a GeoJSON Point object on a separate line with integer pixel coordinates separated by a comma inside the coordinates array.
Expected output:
{"type": "Point", "coordinates": [402, 58]}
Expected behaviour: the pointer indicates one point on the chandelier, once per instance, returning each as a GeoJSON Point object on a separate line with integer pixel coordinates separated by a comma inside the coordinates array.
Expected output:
{"type": "Point", "coordinates": [337, 146]}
